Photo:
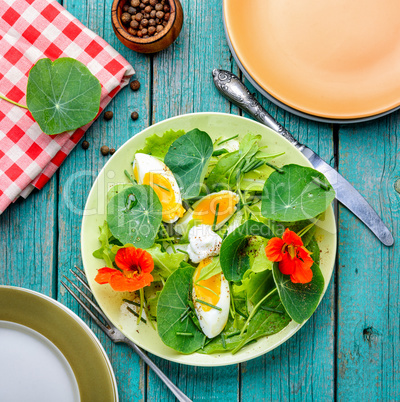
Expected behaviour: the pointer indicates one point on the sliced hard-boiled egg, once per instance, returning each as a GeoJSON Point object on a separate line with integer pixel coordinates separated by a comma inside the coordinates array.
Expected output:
{"type": "Point", "coordinates": [203, 243]}
{"type": "Point", "coordinates": [203, 211]}
{"type": "Point", "coordinates": [149, 170]}
{"type": "Point", "coordinates": [211, 292]}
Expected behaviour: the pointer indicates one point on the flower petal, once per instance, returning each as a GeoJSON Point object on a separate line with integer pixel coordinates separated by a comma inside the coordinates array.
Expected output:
{"type": "Point", "coordinates": [145, 260]}
{"type": "Point", "coordinates": [126, 259]}
{"type": "Point", "coordinates": [273, 250]}
{"type": "Point", "coordinates": [287, 266]}
{"type": "Point", "coordinates": [290, 237]}
{"type": "Point", "coordinates": [301, 274]}
{"type": "Point", "coordinates": [104, 275]}
{"type": "Point", "coordinates": [122, 283]}
{"type": "Point", "coordinates": [304, 254]}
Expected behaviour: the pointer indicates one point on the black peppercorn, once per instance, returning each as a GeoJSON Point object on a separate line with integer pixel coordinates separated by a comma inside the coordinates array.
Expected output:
{"type": "Point", "coordinates": [112, 151]}
{"type": "Point", "coordinates": [85, 145]}
{"type": "Point", "coordinates": [134, 115]}
{"type": "Point", "coordinates": [108, 115]}
{"type": "Point", "coordinates": [105, 150]}
{"type": "Point", "coordinates": [135, 85]}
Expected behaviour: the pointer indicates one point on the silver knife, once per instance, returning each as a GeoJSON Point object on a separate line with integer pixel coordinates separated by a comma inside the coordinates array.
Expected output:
{"type": "Point", "coordinates": [234, 90]}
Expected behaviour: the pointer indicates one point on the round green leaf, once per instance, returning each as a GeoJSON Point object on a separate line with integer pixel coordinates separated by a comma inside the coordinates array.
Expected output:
{"type": "Point", "coordinates": [62, 95]}
{"type": "Point", "coordinates": [295, 194]}
{"type": "Point", "coordinates": [134, 216]}
{"type": "Point", "coordinates": [234, 261]}
{"type": "Point", "coordinates": [188, 158]}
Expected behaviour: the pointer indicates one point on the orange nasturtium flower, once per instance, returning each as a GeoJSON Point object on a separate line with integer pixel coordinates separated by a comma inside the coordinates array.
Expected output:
{"type": "Point", "coordinates": [294, 259]}
{"type": "Point", "coordinates": [134, 270]}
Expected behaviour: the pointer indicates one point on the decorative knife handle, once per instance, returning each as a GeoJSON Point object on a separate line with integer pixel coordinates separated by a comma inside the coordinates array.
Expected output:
{"type": "Point", "coordinates": [234, 90]}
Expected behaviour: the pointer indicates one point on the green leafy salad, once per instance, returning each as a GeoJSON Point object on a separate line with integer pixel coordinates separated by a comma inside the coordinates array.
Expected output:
{"type": "Point", "coordinates": [211, 244]}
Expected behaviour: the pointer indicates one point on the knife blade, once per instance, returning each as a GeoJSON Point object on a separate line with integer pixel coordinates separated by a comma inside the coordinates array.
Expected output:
{"type": "Point", "coordinates": [235, 91]}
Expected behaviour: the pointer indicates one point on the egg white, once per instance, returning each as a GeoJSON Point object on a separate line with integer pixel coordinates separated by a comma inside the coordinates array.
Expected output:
{"type": "Point", "coordinates": [144, 164]}
{"type": "Point", "coordinates": [212, 322]}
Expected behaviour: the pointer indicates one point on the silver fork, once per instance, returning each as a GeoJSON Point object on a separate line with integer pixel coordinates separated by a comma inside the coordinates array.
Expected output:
{"type": "Point", "coordinates": [112, 332]}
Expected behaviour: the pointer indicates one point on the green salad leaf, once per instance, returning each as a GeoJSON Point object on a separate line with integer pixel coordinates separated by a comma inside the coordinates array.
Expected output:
{"type": "Point", "coordinates": [177, 331]}
{"type": "Point", "coordinates": [213, 268]}
{"type": "Point", "coordinates": [269, 319]}
{"type": "Point", "coordinates": [104, 252]}
{"type": "Point", "coordinates": [301, 300]}
{"type": "Point", "coordinates": [134, 216]}
{"type": "Point", "coordinates": [296, 193]}
{"type": "Point", "coordinates": [188, 159]}
{"type": "Point", "coordinates": [255, 179]}
{"type": "Point", "coordinates": [158, 146]}
{"type": "Point", "coordinates": [116, 189]}
{"type": "Point", "coordinates": [234, 261]}
{"type": "Point", "coordinates": [164, 262]}
{"type": "Point", "coordinates": [62, 95]}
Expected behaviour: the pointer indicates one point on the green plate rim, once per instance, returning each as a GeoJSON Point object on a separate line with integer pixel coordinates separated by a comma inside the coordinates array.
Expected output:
{"type": "Point", "coordinates": [57, 323]}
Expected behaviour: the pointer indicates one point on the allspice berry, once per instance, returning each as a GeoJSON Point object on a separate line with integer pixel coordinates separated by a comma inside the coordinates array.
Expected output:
{"type": "Point", "coordinates": [85, 145]}
{"type": "Point", "coordinates": [159, 28]}
{"type": "Point", "coordinates": [108, 115]}
{"type": "Point", "coordinates": [139, 17]}
{"type": "Point", "coordinates": [135, 3]}
{"type": "Point", "coordinates": [135, 85]}
{"type": "Point", "coordinates": [105, 150]}
{"type": "Point", "coordinates": [159, 7]}
{"type": "Point", "coordinates": [112, 151]}
{"type": "Point", "coordinates": [134, 115]}
{"type": "Point", "coordinates": [125, 18]}
{"type": "Point", "coordinates": [152, 30]}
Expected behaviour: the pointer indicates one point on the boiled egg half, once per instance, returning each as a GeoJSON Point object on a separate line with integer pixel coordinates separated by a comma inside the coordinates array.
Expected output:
{"type": "Point", "coordinates": [149, 170]}
{"type": "Point", "coordinates": [222, 204]}
{"type": "Point", "coordinates": [211, 292]}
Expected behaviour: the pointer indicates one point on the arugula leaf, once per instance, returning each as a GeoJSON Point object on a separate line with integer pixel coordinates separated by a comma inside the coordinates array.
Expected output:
{"type": "Point", "coordinates": [62, 95]}
{"type": "Point", "coordinates": [265, 322]}
{"type": "Point", "coordinates": [158, 146]}
{"type": "Point", "coordinates": [228, 171]}
{"type": "Point", "coordinates": [188, 159]}
{"type": "Point", "coordinates": [213, 268]}
{"type": "Point", "coordinates": [172, 304]}
{"type": "Point", "coordinates": [104, 252]}
{"type": "Point", "coordinates": [301, 300]}
{"type": "Point", "coordinates": [134, 216]}
{"type": "Point", "coordinates": [166, 263]}
{"type": "Point", "coordinates": [297, 194]}
{"type": "Point", "coordinates": [234, 261]}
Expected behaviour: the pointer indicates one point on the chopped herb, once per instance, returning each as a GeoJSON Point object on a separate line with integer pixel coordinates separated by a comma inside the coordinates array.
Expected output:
{"type": "Point", "coordinates": [184, 333]}
{"type": "Point", "coordinates": [131, 302]}
{"type": "Point", "coordinates": [320, 183]}
{"type": "Point", "coordinates": [219, 152]}
{"type": "Point", "coordinates": [228, 139]}
{"type": "Point", "coordinates": [205, 287]}
{"type": "Point", "coordinates": [209, 304]}
{"type": "Point", "coordinates": [136, 314]}
{"type": "Point", "coordinates": [182, 251]}
{"type": "Point", "coordinates": [223, 341]}
{"type": "Point", "coordinates": [279, 170]}
{"type": "Point", "coordinates": [215, 217]}
{"type": "Point", "coordinates": [130, 177]}
{"type": "Point", "coordinates": [164, 188]}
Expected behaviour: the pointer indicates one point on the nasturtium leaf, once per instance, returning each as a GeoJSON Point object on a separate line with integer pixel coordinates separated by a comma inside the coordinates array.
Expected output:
{"type": "Point", "coordinates": [171, 307]}
{"type": "Point", "coordinates": [234, 261]}
{"type": "Point", "coordinates": [301, 300]}
{"type": "Point", "coordinates": [158, 146]}
{"type": "Point", "coordinates": [62, 95]}
{"type": "Point", "coordinates": [134, 216]}
{"type": "Point", "coordinates": [188, 158]}
{"type": "Point", "coordinates": [297, 193]}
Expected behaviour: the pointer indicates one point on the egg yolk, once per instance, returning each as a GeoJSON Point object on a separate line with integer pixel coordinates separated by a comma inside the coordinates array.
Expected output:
{"type": "Point", "coordinates": [163, 188]}
{"type": "Point", "coordinates": [209, 289]}
{"type": "Point", "coordinates": [221, 204]}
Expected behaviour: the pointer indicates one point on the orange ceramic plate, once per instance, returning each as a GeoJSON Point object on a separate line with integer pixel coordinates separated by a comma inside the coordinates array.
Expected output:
{"type": "Point", "coordinates": [336, 59]}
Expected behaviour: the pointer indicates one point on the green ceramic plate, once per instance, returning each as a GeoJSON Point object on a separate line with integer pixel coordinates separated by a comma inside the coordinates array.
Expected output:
{"type": "Point", "coordinates": [216, 125]}
{"type": "Point", "coordinates": [71, 364]}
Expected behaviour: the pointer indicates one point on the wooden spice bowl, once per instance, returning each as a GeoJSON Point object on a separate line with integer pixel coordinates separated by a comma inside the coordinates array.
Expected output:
{"type": "Point", "coordinates": [155, 43]}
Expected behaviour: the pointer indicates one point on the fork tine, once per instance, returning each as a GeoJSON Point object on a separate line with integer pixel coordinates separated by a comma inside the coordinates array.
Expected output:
{"type": "Point", "coordinates": [81, 280]}
{"type": "Point", "coordinates": [87, 309]}
{"type": "Point", "coordinates": [91, 302]}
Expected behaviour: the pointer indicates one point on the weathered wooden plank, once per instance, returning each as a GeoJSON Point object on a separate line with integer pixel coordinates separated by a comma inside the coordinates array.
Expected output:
{"type": "Point", "coordinates": [183, 84]}
{"type": "Point", "coordinates": [368, 314]}
{"type": "Point", "coordinates": [81, 168]}
{"type": "Point", "coordinates": [303, 367]}
{"type": "Point", "coordinates": [28, 241]}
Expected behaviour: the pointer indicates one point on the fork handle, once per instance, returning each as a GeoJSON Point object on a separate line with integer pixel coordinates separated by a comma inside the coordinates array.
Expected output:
{"type": "Point", "coordinates": [174, 389]}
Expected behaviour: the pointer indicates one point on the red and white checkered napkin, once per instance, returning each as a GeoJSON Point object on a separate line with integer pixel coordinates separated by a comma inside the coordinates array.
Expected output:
{"type": "Point", "coordinates": [31, 30]}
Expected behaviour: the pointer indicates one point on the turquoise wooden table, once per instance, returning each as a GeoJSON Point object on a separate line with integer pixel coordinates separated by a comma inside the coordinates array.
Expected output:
{"type": "Point", "coordinates": [348, 350]}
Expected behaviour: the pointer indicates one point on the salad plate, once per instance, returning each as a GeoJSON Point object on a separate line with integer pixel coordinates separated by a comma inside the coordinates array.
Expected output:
{"type": "Point", "coordinates": [119, 171]}
{"type": "Point", "coordinates": [52, 349]}
{"type": "Point", "coordinates": [319, 60]}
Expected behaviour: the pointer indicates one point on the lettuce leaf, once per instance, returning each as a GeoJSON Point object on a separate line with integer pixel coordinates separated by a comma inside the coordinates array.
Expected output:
{"type": "Point", "coordinates": [165, 263]}
{"type": "Point", "coordinates": [104, 252]}
{"type": "Point", "coordinates": [158, 146]}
